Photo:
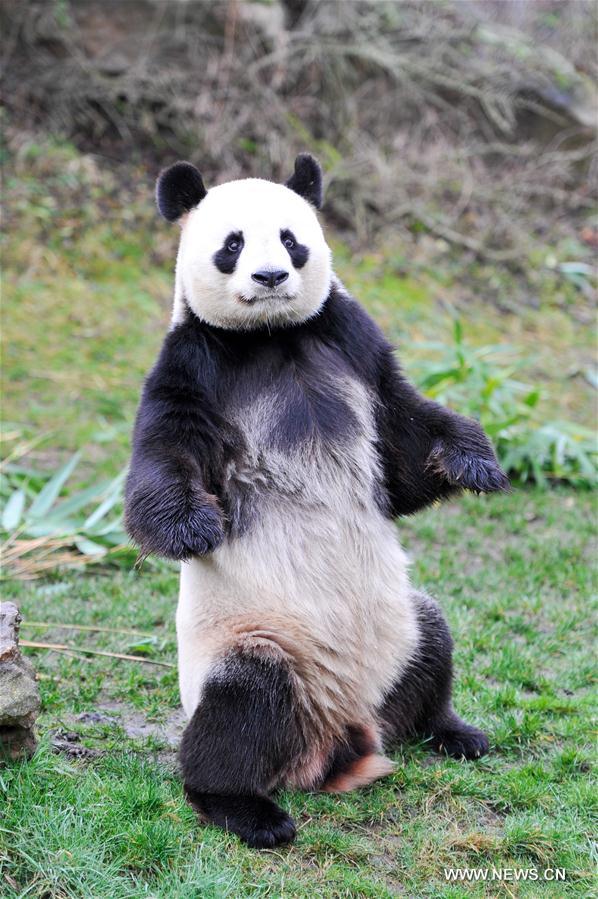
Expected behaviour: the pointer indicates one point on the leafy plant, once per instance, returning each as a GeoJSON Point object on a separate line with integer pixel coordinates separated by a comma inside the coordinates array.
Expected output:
{"type": "Point", "coordinates": [558, 451]}
{"type": "Point", "coordinates": [481, 382]}
{"type": "Point", "coordinates": [42, 529]}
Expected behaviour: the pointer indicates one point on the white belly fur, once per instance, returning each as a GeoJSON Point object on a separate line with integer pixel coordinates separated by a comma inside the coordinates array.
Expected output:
{"type": "Point", "coordinates": [319, 573]}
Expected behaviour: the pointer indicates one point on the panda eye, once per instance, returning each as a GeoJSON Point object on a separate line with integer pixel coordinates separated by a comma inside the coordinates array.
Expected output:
{"type": "Point", "coordinates": [288, 241]}
{"type": "Point", "coordinates": [233, 245]}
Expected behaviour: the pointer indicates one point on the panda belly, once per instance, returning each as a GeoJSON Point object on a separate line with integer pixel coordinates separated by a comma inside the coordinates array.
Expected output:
{"type": "Point", "coordinates": [313, 573]}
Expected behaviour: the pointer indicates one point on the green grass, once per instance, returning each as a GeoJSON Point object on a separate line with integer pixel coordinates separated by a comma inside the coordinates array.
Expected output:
{"type": "Point", "coordinates": [83, 317]}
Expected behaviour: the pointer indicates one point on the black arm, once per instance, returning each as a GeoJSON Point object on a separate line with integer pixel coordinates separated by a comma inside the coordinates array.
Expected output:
{"type": "Point", "coordinates": [169, 509]}
{"type": "Point", "coordinates": [428, 451]}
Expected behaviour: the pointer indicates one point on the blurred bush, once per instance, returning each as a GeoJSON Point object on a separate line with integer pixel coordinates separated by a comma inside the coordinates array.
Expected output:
{"type": "Point", "coordinates": [474, 121]}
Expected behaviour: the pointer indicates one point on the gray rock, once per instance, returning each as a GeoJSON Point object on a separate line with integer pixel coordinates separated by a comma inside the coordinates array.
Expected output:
{"type": "Point", "coordinates": [19, 692]}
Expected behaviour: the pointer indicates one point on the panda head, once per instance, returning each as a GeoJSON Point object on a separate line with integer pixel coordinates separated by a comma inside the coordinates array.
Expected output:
{"type": "Point", "coordinates": [252, 253]}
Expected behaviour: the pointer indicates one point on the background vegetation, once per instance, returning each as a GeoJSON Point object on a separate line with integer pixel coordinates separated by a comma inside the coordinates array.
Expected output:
{"type": "Point", "coordinates": [473, 121]}
{"type": "Point", "coordinates": [457, 139]}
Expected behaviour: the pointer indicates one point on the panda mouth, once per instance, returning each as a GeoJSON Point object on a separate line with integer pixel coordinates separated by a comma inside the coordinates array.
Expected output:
{"type": "Point", "coordinates": [265, 298]}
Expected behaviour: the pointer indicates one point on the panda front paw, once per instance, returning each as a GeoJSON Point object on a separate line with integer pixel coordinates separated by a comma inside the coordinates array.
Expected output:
{"type": "Point", "coordinates": [174, 522]}
{"type": "Point", "coordinates": [466, 468]}
{"type": "Point", "coordinates": [196, 532]}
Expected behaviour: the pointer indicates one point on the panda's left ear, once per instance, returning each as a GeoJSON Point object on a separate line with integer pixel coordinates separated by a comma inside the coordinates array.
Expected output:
{"type": "Point", "coordinates": [178, 189]}
{"type": "Point", "coordinates": [306, 180]}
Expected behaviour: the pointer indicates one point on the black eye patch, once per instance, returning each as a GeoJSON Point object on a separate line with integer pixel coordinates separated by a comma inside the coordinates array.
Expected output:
{"type": "Point", "coordinates": [297, 251]}
{"type": "Point", "coordinates": [225, 259]}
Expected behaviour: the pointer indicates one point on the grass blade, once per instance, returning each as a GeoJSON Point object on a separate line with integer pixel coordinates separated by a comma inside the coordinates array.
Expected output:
{"type": "Point", "coordinates": [81, 650]}
{"type": "Point", "coordinates": [51, 625]}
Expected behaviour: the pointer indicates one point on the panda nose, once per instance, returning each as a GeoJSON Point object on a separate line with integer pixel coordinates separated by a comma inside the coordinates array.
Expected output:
{"type": "Point", "coordinates": [270, 278]}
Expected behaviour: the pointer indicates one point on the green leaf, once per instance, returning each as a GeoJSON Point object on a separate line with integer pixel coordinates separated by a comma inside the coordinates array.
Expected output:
{"type": "Point", "coordinates": [458, 331]}
{"type": "Point", "coordinates": [116, 538]}
{"type": "Point", "coordinates": [48, 494]}
{"type": "Point", "coordinates": [13, 510]}
{"type": "Point", "coordinates": [438, 377]}
{"type": "Point", "coordinates": [82, 498]}
{"type": "Point", "coordinates": [51, 527]}
{"type": "Point", "coordinates": [532, 398]}
{"type": "Point", "coordinates": [111, 500]}
{"type": "Point", "coordinates": [576, 268]}
{"type": "Point", "coordinates": [496, 428]}
{"type": "Point", "coordinates": [145, 647]}
{"type": "Point", "coordinates": [13, 468]}
{"type": "Point", "coordinates": [89, 547]}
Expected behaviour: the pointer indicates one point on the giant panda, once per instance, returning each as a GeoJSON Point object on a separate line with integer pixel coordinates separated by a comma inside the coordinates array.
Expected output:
{"type": "Point", "coordinates": [275, 443]}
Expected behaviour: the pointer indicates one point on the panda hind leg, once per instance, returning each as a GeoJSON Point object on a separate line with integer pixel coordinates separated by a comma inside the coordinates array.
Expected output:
{"type": "Point", "coordinates": [241, 738]}
{"type": "Point", "coordinates": [419, 705]}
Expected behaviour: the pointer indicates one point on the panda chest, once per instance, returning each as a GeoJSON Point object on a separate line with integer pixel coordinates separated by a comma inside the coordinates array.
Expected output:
{"type": "Point", "coordinates": [302, 441]}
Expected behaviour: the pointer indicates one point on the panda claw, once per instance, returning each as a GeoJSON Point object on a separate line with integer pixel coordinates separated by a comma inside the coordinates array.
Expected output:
{"type": "Point", "coordinates": [467, 470]}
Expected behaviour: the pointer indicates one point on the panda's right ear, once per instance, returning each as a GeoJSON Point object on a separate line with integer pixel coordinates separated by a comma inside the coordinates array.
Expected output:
{"type": "Point", "coordinates": [306, 180]}
{"type": "Point", "coordinates": [178, 189]}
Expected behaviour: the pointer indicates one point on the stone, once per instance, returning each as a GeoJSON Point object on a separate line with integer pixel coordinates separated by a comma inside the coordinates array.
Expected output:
{"type": "Point", "coordinates": [19, 691]}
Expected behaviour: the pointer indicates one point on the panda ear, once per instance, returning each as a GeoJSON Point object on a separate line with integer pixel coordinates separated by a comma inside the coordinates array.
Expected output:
{"type": "Point", "coordinates": [307, 179]}
{"type": "Point", "coordinates": [178, 189]}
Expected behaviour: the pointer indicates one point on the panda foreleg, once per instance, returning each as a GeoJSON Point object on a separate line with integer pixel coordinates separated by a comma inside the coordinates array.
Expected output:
{"type": "Point", "coordinates": [242, 738]}
{"type": "Point", "coordinates": [429, 452]}
{"type": "Point", "coordinates": [419, 705]}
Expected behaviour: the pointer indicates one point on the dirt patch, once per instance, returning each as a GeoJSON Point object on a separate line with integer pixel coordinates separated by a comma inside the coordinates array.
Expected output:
{"type": "Point", "coordinates": [69, 743]}
{"type": "Point", "coordinates": [135, 724]}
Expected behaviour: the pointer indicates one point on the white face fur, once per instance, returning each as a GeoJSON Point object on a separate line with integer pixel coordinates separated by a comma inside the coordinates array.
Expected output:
{"type": "Point", "coordinates": [258, 232]}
